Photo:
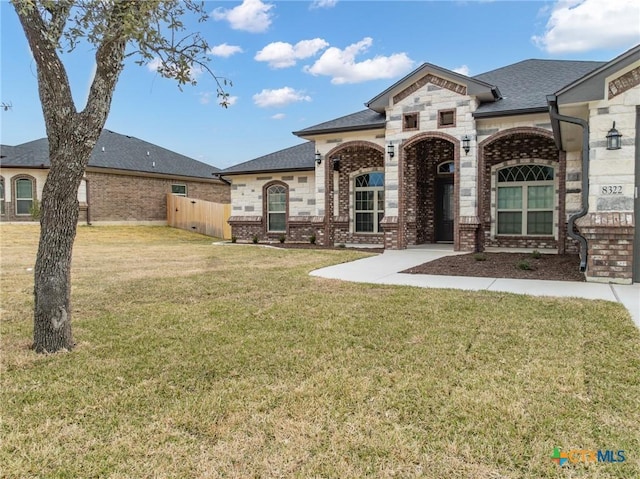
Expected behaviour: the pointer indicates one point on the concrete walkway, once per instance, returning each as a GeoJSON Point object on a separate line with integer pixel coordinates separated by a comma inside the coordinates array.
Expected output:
{"type": "Point", "coordinates": [384, 269]}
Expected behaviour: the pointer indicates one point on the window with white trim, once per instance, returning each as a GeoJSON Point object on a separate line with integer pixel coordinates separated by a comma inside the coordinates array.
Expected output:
{"type": "Point", "coordinates": [525, 200]}
{"type": "Point", "coordinates": [276, 208]}
{"type": "Point", "coordinates": [24, 196]}
{"type": "Point", "coordinates": [179, 189]}
{"type": "Point", "coordinates": [369, 202]}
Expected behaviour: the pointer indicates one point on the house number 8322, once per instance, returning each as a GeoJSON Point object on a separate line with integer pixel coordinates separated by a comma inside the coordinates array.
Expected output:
{"type": "Point", "coordinates": [612, 190]}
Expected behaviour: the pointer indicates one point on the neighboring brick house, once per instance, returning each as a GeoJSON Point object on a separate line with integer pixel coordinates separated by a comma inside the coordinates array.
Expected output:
{"type": "Point", "coordinates": [127, 180]}
{"type": "Point", "coordinates": [481, 162]}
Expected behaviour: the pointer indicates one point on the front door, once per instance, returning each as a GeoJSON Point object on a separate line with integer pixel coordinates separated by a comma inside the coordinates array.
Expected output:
{"type": "Point", "coordinates": [444, 210]}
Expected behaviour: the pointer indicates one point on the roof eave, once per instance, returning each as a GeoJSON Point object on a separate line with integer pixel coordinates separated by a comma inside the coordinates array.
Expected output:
{"type": "Point", "coordinates": [522, 111]}
{"type": "Point", "coordinates": [343, 129]}
{"type": "Point", "coordinates": [274, 170]}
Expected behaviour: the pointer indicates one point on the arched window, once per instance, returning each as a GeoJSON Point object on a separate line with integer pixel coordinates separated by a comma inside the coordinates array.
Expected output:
{"type": "Point", "coordinates": [369, 202]}
{"type": "Point", "coordinates": [526, 199]}
{"type": "Point", "coordinates": [1, 196]}
{"type": "Point", "coordinates": [446, 168]}
{"type": "Point", "coordinates": [24, 196]}
{"type": "Point", "coordinates": [276, 208]}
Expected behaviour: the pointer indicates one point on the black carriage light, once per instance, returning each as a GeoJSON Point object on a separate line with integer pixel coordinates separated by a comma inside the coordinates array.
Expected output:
{"type": "Point", "coordinates": [390, 150]}
{"type": "Point", "coordinates": [318, 158]}
{"type": "Point", "coordinates": [614, 141]}
{"type": "Point", "coordinates": [466, 144]}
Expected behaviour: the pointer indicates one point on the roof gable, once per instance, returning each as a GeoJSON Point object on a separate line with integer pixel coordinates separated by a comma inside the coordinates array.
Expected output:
{"type": "Point", "coordinates": [428, 73]}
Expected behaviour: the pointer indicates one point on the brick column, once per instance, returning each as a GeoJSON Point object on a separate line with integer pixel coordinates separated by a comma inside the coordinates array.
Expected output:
{"type": "Point", "coordinates": [468, 236]}
{"type": "Point", "coordinates": [610, 246]}
{"type": "Point", "coordinates": [390, 226]}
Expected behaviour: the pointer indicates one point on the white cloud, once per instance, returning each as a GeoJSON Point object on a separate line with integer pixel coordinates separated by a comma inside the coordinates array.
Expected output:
{"type": "Point", "coordinates": [583, 25]}
{"type": "Point", "coordinates": [463, 70]}
{"type": "Point", "coordinates": [225, 51]}
{"type": "Point", "coordinates": [279, 98]}
{"type": "Point", "coordinates": [232, 100]}
{"type": "Point", "coordinates": [278, 116]}
{"type": "Point", "coordinates": [323, 4]}
{"type": "Point", "coordinates": [251, 16]}
{"type": "Point", "coordinates": [154, 64]}
{"type": "Point", "coordinates": [283, 55]}
{"type": "Point", "coordinates": [343, 68]}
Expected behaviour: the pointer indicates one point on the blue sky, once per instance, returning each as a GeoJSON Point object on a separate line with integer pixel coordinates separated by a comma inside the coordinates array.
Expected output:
{"type": "Point", "coordinates": [294, 64]}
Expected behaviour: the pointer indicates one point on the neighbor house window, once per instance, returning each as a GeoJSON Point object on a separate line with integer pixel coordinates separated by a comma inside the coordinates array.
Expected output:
{"type": "Point", "coordinates": [525, 200]}
{"type": "Point", "coordinates": [179, 190]}
{"type": "Point", "coordinates": [276, 208]}
{"type": "Point", "coordinates": [446, 118]}
{"type": "Point", "coordinates": [410, 121]}
{"type": "Point", "coordinates": [369, 202]}
{"type": "Point", "coordinates": [24, 196]}
{"type": "Point", "coordinates": [1, 196]}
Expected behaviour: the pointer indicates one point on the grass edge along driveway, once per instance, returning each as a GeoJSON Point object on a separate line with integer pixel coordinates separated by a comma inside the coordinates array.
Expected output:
{"type": "Point", "coordinates": [195, 360]}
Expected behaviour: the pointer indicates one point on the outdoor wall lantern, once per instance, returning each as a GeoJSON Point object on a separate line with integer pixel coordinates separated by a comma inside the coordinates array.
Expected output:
{"type": "Point", "coordinates": [614, 141]}
{"type": "Point", "coordinates": [318, 158]}
{"type": "Point", "coordinates": [390, 150]}
{"type": "Point", "coordinates": [466, 144]}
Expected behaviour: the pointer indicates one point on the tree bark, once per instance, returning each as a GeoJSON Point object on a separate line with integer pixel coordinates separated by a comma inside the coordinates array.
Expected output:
{"type": "Point", "coordinates": [72, 136]}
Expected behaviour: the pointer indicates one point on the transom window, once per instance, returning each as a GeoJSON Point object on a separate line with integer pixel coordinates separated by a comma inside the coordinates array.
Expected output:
{"type": "Point", "coordinates": [179, 190]}
{"type": "Point", "coordinates": [446, 168]}
{"type": "Point", "coordinates": [369, 202]}
{"type": "Point", "coordinates": [526, 196]}
{"type": "Point", "coordinates": [24, 196]}
{"type": "Point", "coordinates": [276, 208]}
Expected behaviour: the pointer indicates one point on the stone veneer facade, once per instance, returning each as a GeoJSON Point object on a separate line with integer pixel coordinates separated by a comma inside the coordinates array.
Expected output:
{"type": "Point", "coordinates": [322, 206]}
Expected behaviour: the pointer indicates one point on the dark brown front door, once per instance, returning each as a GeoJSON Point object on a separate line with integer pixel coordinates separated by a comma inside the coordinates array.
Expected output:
{"type": "Point", "coordinates": [444, 209]}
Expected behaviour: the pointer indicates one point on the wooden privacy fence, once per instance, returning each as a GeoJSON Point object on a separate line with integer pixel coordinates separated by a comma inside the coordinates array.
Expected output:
{"type": "Point", "coordinates": [204, 217]}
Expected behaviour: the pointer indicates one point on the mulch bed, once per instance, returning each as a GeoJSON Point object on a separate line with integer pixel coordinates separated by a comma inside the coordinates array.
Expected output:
{"type": "Point", "coordinates": [315, 246]}
{"type": "Point", "coordinates": [505, 265]}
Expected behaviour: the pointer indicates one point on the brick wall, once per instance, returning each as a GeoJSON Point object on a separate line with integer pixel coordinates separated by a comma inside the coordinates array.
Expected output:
{"type": "Point", "coordinates": [610, 246]}
{"type": "Point", "coordinates": [133, 198]}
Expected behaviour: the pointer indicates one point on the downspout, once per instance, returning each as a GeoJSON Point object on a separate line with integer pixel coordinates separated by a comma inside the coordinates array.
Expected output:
{"type": "Point", "coordinates": [552, 100]}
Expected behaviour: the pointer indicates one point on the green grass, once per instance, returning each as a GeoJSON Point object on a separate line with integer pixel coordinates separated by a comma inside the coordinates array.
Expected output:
{"type": "Point", "coordinates": [195, 360]}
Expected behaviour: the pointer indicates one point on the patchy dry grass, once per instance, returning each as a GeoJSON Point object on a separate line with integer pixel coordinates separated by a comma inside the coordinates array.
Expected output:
{"type": "Point", "coordinates": [196, 360]}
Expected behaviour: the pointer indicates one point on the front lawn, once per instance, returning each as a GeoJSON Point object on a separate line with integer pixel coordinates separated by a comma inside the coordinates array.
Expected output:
{"type": "Point", "coordinates": [195, 360]}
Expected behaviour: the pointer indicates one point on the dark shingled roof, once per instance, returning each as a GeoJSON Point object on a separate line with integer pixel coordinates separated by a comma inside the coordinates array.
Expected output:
{"type": "Point", "coordinates": [526, 84]}
{"type": "Point", "coordinates": [295, 158]}
{"type": "Point", "coordinates": [121, 152]}
{"type": "Point", "coordinates": [362, 120]}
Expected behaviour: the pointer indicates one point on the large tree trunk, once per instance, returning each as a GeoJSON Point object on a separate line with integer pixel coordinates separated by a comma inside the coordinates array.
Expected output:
{"type": "Point", "coordinates": [58, 224]}
{"type": "Point", "coordinates": [72, 136]}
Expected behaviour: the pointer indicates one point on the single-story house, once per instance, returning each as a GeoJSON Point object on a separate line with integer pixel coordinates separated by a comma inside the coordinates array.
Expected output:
{"type": "Point", "coordinates": [126, 180]}
{"type": "Point", "coordinates": [540, 154]}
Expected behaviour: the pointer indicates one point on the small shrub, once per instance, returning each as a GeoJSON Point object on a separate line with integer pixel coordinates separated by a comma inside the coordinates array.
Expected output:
{"type": "Point", "coordinates": [480, 257]}
{"type": "Point", "coordinates": [342, 245]}
{"type": "Point", "coordinates": [234, 239]}
{"type": "Point", "coordinates": [523, 265]}
{"type": "Point", "coordinates": [255, 239]}
{"type": "Point", "coordinates": [281, 238]}
{"type": "Point", "coordinates": [312, 239]}
{"type": "Point", "coordinates": [34, 211]}
{"type": "Point", "coordinates": [536, 254]}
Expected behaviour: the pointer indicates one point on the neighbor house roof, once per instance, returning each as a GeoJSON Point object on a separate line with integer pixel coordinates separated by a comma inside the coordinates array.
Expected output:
{"type": "Point", "coordinates": [525, 85]}
{"type": "Point", "coordinates": [114, 151]}
{"type": "Point", "coordinates": [296, 158]}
